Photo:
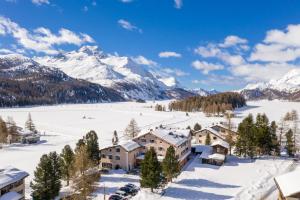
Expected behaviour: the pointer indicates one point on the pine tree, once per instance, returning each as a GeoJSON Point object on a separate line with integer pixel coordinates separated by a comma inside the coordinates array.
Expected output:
{"type": "Point", "coordinates": [132, 130]}
{"type": "Point", "coordinates": [294, 119]}
{"type": "Point", "coordinates": [46, 183]}
{"type": "Point", "coordinates": [29, 125]}
{"type": "Point", "coordinates": [3, 131]}
{"type": "Point", "coordinates": [274, 142]}
{"type": "Point", "coordinates": [170, 164]}
{"type": "Point", "coordinates": [92, 146]}
{"type": "Point", "coordinates": [42, 179]}
{"type": "Point", "coordinates": [67, 158]}
{"type": "Point", "coordinates": [115, 139]}
{"type": "Point", "coordinates": [289, 143]}
{"type": "Point", "coordinates": [197, 127]}
{"type": "Point", "coordinates": [80, 143]}
{"type": "Point", "coordinates": [207, 139]}
{"type": "Point", "coordinates": [55, 173]}
{"type": "Point", "coordinates": [150, 170]}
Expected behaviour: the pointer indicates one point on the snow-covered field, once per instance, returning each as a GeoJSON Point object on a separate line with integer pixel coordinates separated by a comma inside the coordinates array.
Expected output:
{"type": "Point", "coordinates": [65, 124]}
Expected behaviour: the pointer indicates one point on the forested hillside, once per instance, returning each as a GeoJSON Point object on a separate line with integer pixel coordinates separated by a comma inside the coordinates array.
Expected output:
{"type": "Point", "coordinates": [213, 104]}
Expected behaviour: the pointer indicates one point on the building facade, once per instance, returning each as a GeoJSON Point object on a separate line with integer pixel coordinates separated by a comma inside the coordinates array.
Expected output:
{"type": "Point", "coordinates": [12, 183]}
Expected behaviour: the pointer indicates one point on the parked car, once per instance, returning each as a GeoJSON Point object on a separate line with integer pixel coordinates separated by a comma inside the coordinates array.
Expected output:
{"type": "Point", "coordinates": [122, 193]}
{"type": "Point", "coordinates": [130, 185]}
{"type": "Point", "coordinates": [116, 197]}
{"type": "Point", "coordinates": [129, 190]}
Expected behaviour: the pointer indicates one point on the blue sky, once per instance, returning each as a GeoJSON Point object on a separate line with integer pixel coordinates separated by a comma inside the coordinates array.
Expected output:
{"type": "Point", "coordinates": [204, 43]}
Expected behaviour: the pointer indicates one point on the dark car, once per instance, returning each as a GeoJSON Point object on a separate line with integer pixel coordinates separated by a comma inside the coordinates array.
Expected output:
{"type": "Point", "coordinates": [130, 185]}
{"type": "Point", "coordinates": [129, 190]}
{"type": "Point", "coordinates": [116, 197]}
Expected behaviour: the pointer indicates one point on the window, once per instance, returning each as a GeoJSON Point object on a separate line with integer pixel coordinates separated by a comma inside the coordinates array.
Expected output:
{"type": "Point", "coordinates": [110, 157]}
{"type": "Point", "coordinates": [103, 156]}
{"type": "Point", "coordinates": [200, 141]}
{"type": "Point", "coordinates": [143, 140]}
{"type": "Point", "coordinates": [117, 149]}
{"type": "Point", "coordinates": [161, 149]}
{"type": "Point", "coordinates": [117, 157]}
{"type": "Point", "coordinates": [152, 141]}
{"type": "Point", "coordinates": [107, 165]}
{"type": "Point", "coordinates": [215, 138]}
{"type": "Point", "coordinates": [200, 135]}
{"type": "Point", "coordinates": [109, 150]}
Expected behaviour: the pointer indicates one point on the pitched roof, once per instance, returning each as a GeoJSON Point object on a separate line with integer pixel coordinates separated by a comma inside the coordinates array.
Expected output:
{"type": "Point", "coordinates": [289, 183]}
{"type": "Point", "coordinates": [11, 196]}
{"type": "Point", "coordinates": [10, 175]}
{"type": "Point", "coordinates": [213, 131]}
{"type": "Point", "coordinates": [129, 145]}
{"type": "Point", "coordinates": [221, 143]}
{"type": "Point", "coordinates": [174, 137]}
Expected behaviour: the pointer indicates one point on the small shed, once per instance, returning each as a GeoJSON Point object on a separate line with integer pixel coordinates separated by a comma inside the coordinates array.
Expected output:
{"type": "Point", "coordinates": [220, 147]}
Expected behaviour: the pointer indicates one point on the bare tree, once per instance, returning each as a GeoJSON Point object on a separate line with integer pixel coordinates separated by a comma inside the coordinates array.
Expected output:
{"type": "Point", "coordinates": [132, 130]}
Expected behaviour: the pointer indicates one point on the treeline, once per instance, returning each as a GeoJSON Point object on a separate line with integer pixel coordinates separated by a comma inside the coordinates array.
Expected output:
{"type": "Point", "coordinates": [79, 168]}
{"type": "Point", "coordinates": [257, 137]}
{"type": "Point", "coordinates": [213, 104]}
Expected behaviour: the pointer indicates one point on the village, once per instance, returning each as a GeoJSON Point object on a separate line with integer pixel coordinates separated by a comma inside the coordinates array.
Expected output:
{"type": "Point", "coordinates": [170, 150]}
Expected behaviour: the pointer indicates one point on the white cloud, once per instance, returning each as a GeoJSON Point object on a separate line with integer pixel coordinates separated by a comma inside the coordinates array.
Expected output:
{"type": "Point", "coordinates": [85, 9]}
{"type": "Point", "coordinates": [253, 72]}
{"type": "Point", "coordinates": [167, 54]}
{"type": "Point", "coordinates": [128, 26]}
{"type": "Point", "coordinates": [177, 72]}
{"type": "Point", "coordinates": [213, 80]}
{"type": "Point", "coordinates": [178, 4]}
{"type": "Point", "coordinates": [233, 40]}
{"type": "Point", "coordinates": [42, 39]}
{"type": "Point", "coordinates": [40, 2]}
{"type": "Point", "coordinates": [212, 50]}
{"type": "Point", "coordinates": [141, 60]}
{"type": "Point", "coordinates": [279, 46]}
{"type": "Point", "coordinates": [206, 67]}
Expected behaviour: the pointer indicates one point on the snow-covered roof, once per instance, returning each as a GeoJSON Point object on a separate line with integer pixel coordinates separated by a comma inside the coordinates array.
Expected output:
{"type": "Point", "coordinates": [221, 143]}
{"type": "Point", "coordinates": [202, 148]}
{"type": "Point", "coordinates": [11, 196]}
{"type": "Point", "coordinates": [213, 131]}
{"type": "Point", "coordinates": [217, 156]}
{"type": "Point", "coordinates": [174, 137]}
{"type": "Point", "coordinates": [10, 175]}
{"type": "Point", "coordinates": [225, 127]}
{"type": "Point", "coordinates": [129, 145]}
{"type": "Point", "coordinates": [289, 183]}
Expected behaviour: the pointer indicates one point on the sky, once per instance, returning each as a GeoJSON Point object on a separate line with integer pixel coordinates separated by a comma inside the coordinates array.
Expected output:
{"type": "Point", "coordinates": [210, 44]}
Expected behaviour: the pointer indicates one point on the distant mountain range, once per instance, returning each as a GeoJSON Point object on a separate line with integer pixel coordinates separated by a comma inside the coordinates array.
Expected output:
{"type": "Point", "coordinates": [287, 88]}
{"type": "Point", "coordinates": [83, 76]}
{"type": "Point", "coordinates": [25, 82]}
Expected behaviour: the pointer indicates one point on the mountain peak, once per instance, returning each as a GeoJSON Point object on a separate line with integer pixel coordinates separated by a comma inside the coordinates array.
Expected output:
{"type": "Point", "coordinates": [91, 50]}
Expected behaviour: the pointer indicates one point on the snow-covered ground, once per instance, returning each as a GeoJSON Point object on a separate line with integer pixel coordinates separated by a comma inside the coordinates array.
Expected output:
{"type": "Point", "coordinates": [65, 124]}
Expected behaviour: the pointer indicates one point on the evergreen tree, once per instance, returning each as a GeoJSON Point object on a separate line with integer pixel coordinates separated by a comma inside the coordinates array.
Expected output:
{"type": "Point", "coordinates": [46, 183]}
{"type": "Point", "coordinates": [80, 143]}
{"type": "Point", "coordinates": [3, 131]}
{"type": "Point", "coordinates": [67, 158]}
{"type": "Point", "coordinates": [229, 137]}
{"type": "Point", "coordinates": [55, 173]}
{"type": "Point", "coordinates": [289, 143]}
{"type": "Point", "coordinates": [132, 130]}
{"type": "Point", "coordinates": [274, 142]}
{"type": "Point", "coordinates": [29, 125]}
{"type": "Point", "coordinates": [246, 141]}
{"type": "Point", "coordinates": [150, 170]}
{"type": "Point", "coordinates": [92, 146]}
{"type": "Point", "coordinates": [170, 164]}
{"type": "Point", "coordinates": [115, 139]}
{"type": "Point", "coordinates": [294, 119]}
{"type": "Point", "coordinates": [197, 127]}
{"type": "Point", "coordinates": [207, 139]}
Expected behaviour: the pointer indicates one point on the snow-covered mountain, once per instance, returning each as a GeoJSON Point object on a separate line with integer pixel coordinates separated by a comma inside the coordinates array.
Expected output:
{"type": "Point", "coordinates": [24, 81]}
{"type": "Point", "coordinates": [202, 92]}
{"type": "Point", "coordinates": [287, 87]}
{"type": "Point", "coordinates": [132, 80]}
